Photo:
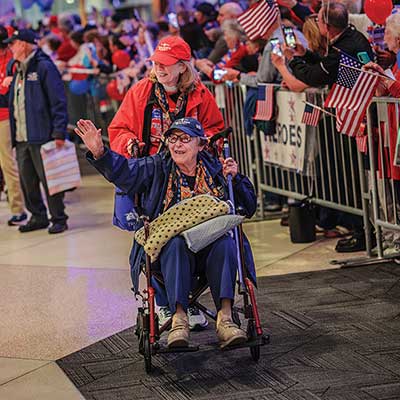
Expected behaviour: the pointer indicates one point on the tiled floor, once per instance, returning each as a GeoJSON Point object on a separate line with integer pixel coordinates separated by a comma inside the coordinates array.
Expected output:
{"type": "Point", "coordinates": [61, 293]}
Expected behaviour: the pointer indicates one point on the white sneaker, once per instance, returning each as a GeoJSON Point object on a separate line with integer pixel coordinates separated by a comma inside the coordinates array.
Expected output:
{"type": "Point", "coordinates": [392, 251]}
{"type": "Point", "coordinates": [385, 246]}
{"type": "Point", "coordinates": [163, 315]}
{"type": "Point", "coordinates": [197, 319]}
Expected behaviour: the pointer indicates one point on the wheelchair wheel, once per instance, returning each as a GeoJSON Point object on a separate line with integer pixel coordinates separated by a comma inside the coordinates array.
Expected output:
{"type": "Point", "coordinates": [143, 334]}
{"type": "Point", "coordinates": [252, 334]}
{"type": "Point", "coordinates": [147, 351]}
{"type": "Point", "coordinates": [139, 324]}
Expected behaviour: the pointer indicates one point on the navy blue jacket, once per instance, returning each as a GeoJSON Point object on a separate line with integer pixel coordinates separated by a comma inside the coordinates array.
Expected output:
{"type": "Point", "coordinates": [45, 101]}
{"type": "Point", "coordinates": [149, 176]}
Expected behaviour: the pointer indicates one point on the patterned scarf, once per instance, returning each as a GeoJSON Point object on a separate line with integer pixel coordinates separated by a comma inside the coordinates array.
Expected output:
{"type": "Point", "coordinates": [178, 188]}
{"type": "Point", "coordinates": [161, 97]}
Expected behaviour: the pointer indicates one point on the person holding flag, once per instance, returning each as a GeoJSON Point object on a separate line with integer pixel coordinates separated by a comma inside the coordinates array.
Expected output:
{"type": "Point", "coordinates": [262, 21]}
{"type": "Point", "coordinates": [316, 70]}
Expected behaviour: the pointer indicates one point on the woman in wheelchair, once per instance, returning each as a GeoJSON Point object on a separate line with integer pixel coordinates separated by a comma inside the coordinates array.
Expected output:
{"type": "Point", "coordinates": [184, 170]}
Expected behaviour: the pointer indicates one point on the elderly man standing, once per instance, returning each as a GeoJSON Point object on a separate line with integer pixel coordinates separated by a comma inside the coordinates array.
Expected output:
{"type": "Point", "coordinates": [8, 163]}
{"type": "Point", "coordinates": [38, 114]}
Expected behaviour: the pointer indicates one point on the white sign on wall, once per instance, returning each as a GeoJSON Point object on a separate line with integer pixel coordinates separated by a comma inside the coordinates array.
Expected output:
{"type": "Point", "coordinates": [286, 147]}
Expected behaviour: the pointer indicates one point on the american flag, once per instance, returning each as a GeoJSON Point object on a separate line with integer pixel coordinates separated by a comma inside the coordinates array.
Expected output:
{"type": "Point", "coordinates": [310, 115]}
{"type": "Point", "coordinates": [259, 18]}
{"type": "Point", "coordinates": [353, 89]}
{"type": "Point", "coordinates": [265, 102]}
{"type": "Point", "coordinates": [349, 121]}
{"type": "Point", "coordinates": [362, 143]}
{"type": "Point", "coordinates": [351, 95]}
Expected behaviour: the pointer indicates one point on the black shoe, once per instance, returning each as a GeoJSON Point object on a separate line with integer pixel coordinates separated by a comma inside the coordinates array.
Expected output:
{"type": "Point", "coordinates": [58, 228]}
{"type": "Point", "coordinates": [353, 244]}
{"type": "Point", "coordinates": [16, 219]}
{"type": "Point", "coordinates": [33, 225]}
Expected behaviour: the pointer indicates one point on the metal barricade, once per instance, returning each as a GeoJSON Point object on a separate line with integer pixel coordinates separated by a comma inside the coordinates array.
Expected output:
{"type": "Point", "coordinates": [333, 175]}
{"type": "Point", "coordinates": [383, 120]}
{"type": "Point", "coordinates": [230, 100]}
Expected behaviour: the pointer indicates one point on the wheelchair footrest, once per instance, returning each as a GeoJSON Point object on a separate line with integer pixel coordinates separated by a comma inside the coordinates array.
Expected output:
{"type": "Point", "coordinates": [257, 341]}
{"type": "Point", "coordinates": [187, 349]}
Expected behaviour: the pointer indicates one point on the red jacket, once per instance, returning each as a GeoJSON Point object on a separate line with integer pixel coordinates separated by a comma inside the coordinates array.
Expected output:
{"type": "Point", "coordinates": [128, 121]}
{"type": "Point", "coordinates": [391, 129]}
{"type": "Point", "coordinates": [3, 73]}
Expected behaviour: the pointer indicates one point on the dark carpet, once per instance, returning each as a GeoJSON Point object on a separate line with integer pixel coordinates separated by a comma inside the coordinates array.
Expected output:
{"type": "Point", "coordinates": [335, 335]}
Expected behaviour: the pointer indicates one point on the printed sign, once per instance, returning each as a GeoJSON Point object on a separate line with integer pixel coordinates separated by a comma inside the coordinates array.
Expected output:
{"type": "Point", "coordinates": [286, 147]}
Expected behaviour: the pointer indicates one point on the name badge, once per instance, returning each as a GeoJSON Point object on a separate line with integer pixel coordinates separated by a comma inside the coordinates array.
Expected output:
{"type": "Point", "coordinates": [32, 76]}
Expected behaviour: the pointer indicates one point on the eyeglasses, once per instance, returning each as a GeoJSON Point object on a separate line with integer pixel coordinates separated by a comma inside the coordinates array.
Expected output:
{"type": "Point", "coordinates": [173, 138]}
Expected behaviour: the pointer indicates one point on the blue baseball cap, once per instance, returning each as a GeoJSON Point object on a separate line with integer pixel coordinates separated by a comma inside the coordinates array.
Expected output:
{"type": "Point", "coordinates": [188, 125]}
{"type": "Point", "coordinates": [25, 35]}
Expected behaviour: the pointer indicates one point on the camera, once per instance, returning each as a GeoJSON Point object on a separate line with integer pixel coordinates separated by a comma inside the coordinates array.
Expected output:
{"type": "Point", "coordinates": [276, 47]}
{"type": "Point", "coordinates": [290, 37]}
{"type": "Point", "coordinates": [218, 74]}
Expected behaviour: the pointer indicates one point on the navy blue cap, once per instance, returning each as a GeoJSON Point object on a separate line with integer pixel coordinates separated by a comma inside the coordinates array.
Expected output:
{"type": "Point", "coordinates": [188, 125]}
{"type": "Point", "coordinates": [25, 35]}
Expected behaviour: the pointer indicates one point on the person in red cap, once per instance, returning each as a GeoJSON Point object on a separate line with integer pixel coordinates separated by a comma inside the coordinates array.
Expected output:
{"type": "Point", "coordinates": [175, 90]}
{"type": "Point", "coordinates": [172, 91]}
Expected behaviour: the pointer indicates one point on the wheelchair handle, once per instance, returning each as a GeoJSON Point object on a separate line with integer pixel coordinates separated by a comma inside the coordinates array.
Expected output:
{"type": "Point", "coordinates": [223, 134]}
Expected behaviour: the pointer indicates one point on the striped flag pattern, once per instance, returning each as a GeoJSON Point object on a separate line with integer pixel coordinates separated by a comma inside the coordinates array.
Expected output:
{"type": "Point", "coordinates": [351, 95]}
{"type": "Point", "coordinates": [352, 86]}
{"type": "Point", "coordinates": [265, 102]}
{"type": "Point", "coordinates": [349, 121]}
{"type": "Point", "coordinates": [362, 143]}
{"type": "Point", "coordinates": [259, 18]}
{"type": "Point", "coordinates": [311, 115]}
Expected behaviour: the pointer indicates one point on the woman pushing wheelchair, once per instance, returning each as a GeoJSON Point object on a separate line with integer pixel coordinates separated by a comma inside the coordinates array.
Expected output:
{"type": "Point", "coordinates": [185, 170]}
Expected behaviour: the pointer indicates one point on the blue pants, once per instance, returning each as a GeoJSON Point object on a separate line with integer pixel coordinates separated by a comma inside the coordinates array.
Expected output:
{"type": "Point", "coordinates": [178, 265]}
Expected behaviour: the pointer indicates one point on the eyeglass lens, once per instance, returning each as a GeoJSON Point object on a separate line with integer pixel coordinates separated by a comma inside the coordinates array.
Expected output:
{"type": "Point", "coordinates": [182, 138]}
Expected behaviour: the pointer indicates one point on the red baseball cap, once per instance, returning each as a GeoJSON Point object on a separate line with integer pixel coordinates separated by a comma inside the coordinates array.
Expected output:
{"type": "Point", "coordinates": [170, 50]}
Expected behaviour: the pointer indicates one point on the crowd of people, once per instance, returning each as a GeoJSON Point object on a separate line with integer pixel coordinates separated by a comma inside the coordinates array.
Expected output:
{"type": "Point", "coordinates": [155, 72]}
{"type": "Point", "coordinates": [110, 58]}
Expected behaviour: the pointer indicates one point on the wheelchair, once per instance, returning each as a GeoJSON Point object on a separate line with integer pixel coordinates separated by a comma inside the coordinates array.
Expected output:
{"type": "Point", "coordinates": [148, 330]}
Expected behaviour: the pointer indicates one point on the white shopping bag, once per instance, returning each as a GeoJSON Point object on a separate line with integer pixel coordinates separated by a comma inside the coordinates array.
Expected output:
{"type": "Point", "coordinates": [61, 167]}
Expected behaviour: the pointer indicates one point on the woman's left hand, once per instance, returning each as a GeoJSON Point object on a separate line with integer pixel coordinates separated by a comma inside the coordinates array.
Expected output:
{"type": "Point", "coordinates": [229, 167]}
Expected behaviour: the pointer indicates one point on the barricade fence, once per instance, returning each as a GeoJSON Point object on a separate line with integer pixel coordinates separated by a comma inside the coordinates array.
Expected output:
{"type": "Point", "coordinates": [300, 161]}
{"type": "Point", "coordinates": [384, 155]}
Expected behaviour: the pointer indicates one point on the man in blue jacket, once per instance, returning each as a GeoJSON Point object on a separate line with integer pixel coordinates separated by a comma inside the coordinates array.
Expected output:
{"type": "Point", "coordinates": [38, 114]}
